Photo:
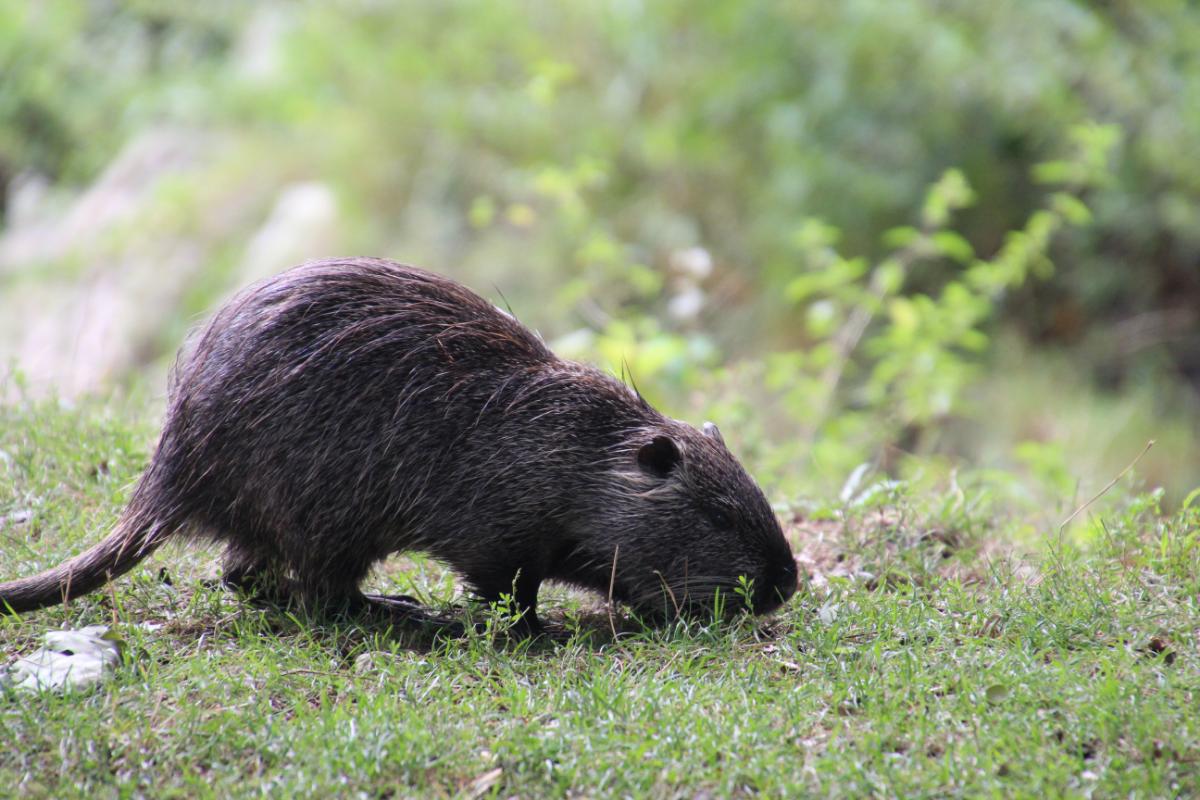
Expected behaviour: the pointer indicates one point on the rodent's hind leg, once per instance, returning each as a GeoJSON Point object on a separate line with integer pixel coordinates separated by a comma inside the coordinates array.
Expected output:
{"type": "Point", "coordinates": [253, 574]}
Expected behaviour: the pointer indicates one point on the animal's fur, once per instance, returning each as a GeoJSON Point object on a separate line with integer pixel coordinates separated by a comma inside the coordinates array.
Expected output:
{"type": "Point", "coordinates": [346, 410]}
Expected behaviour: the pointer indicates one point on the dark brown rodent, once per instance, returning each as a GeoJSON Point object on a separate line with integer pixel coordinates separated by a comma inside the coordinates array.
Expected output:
{"type": "Point", "coordinates": [346, 410]}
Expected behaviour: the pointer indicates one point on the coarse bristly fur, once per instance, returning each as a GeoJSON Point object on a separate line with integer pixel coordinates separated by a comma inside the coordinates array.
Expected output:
{"type": "Point", "coordinates": [348, 409]}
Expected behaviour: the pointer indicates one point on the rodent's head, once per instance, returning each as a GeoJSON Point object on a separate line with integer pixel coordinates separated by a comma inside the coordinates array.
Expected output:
{"type": "Point", "coordinates": [687, 525]}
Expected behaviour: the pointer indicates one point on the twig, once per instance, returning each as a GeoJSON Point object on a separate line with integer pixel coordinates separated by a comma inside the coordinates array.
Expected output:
{"type": "Point", "coordinates": [1104, 491]}
{"type": "Point", "coordinates": [325, 673]}
{"type": "Point", "coordinates": [671, 594]}
{"type": "Point", "coordinates": [612, 579]}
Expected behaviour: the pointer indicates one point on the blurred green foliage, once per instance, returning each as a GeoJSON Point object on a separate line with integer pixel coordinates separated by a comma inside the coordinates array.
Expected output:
{"type": "Point", "coordinates": [918, 358]}
{"type": "Point", "coordinates": [78, 78]}
{"type": "Point", "coordinates": [725, 197]}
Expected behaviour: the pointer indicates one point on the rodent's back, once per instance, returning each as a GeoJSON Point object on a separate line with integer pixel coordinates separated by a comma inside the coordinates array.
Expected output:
{"type": "Point", "coordinates": [350, 314]}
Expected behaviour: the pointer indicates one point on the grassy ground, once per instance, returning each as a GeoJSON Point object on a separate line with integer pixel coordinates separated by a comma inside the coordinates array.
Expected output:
{"type": "Point", "coordinates": [922, 660]}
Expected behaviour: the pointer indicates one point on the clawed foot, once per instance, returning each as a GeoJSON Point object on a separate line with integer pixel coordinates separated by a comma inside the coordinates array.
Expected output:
{"type": "Point", "coordinates": [409, 611]}
{"type": "Point", "coordinates": [400, 601]}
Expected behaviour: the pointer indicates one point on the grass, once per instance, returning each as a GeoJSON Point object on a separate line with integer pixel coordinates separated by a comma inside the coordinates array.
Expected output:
{"type": "Point", "coordinates": [924, 659]}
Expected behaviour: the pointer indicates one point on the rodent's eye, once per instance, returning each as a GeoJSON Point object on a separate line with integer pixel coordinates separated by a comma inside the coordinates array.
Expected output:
{"type": "Point", "coordinates": [721, 518]}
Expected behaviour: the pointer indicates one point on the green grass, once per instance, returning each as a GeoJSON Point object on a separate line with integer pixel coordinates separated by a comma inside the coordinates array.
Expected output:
{"type": "Point", "coordinates": [924, 659]}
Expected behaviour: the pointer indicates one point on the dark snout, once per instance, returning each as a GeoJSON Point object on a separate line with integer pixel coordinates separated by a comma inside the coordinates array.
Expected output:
{"type": "Point", "coordinates": [779, 585]}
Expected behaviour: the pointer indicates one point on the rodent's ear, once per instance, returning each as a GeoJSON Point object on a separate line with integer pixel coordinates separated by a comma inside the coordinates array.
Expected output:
{"type": "Point", "coordinates": [711, 430]}
{"type": "Point", "coordinates": [659, 457]}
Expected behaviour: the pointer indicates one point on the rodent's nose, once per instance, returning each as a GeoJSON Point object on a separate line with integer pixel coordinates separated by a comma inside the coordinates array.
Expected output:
{"type": "Point", "coordinates": [779, 588]}
{"type": "Point", "coordinates": [789, 581]}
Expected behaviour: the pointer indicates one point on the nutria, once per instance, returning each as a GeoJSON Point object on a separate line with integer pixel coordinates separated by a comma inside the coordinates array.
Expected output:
{"type": "Point", "coordinates": [345, 410]}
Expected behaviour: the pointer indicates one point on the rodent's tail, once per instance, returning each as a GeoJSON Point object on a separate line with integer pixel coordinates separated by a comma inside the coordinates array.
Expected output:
{"type": "Point", "coordinates": [137, 534]}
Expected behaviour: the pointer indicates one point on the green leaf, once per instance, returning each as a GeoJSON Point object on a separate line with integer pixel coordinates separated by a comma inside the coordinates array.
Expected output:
{"type": "Point", "coordinates": [901, 237]}
{"type": "Point", "coordinates": [1056, 172]}
{"type": "Point", "coordinates": [949, 194]}
{"type": "Point", "coordinates": [646, 282]}
{"type": "Point", "coordinates": [888, 277]}
{"type": "Point", "coordinates": [1074, 210]}
{"type": "Point", "coordinates": [815, 234]}
{"type": "Point", "coordinates": [802, 287]}
{"type": "Point", "coordinates": [954, 246]}
{"type": "Point", "coordinates": [821, 319]}
{"type": "Point", "coordinates": [1191, 498]}
{"type": "Point", "coordinates": [973, 340]}
{"type": "Point", "coordinates": [904, 314]}
{"type": "Point", "coordinates": [483, 211]}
